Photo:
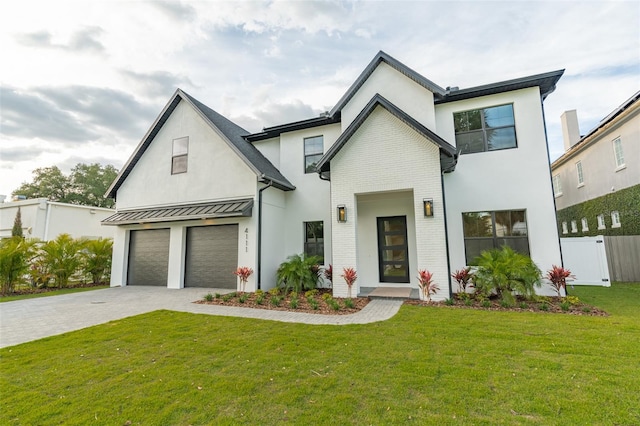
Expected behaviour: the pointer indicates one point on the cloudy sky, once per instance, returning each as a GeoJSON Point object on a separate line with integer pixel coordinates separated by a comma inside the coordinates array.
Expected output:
{"type": "Point", "coordinates": [82, 81]}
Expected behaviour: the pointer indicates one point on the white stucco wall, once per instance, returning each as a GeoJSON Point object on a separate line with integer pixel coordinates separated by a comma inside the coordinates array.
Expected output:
{"type": "Point", "coordinates": [274, 225]}
{"type": "Point", "coordinates": [400, 90]}
{"type": "Point", "coordinates": [601, 174]}
{"type": "Point", "coordinates": [45, 220]}
{"type": "Point", "coordinates": [214, 170]}
{"type": "Point", "coordinates": [385, 155]}
{"type": "Point", "coordinates": [511, 179]}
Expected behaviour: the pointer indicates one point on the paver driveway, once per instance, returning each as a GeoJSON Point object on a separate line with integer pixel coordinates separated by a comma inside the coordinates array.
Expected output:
{"type": "Point", "coordinates": [31, 319]}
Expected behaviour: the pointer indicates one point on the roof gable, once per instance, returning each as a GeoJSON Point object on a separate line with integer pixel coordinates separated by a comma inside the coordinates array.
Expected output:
{"type": "Point", "coordinates": [448, 155]}
{"type": "Point", "coordinates": [393, 63]}
{"type": "Point", "coordinates": [230, 132]}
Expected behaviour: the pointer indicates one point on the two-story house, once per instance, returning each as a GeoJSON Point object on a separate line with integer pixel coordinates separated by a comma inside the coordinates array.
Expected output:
{"type": "Point", "coordinates": [400, 175]}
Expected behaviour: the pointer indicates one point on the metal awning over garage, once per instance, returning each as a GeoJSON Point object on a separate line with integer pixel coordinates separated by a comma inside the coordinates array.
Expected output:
{"type": "Point", "coordinates": [232, 208]}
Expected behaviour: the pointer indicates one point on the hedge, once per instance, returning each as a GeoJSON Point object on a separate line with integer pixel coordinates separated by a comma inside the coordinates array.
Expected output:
{"type": "Point", "coordinates": [625, 201]}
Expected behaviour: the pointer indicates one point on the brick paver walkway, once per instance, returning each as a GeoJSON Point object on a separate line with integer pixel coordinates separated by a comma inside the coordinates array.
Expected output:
{"type": "Point", "coordinates": [26, 320]}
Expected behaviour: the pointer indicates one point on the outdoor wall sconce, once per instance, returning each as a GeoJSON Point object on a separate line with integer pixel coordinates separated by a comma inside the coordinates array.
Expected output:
{"type": "Point", "coordinates": [342, 213]}
{"type": "Point", "coordinates": [427, 204]}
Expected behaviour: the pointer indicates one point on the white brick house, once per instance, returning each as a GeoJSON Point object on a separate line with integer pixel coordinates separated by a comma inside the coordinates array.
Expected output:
{"type": "Point", "coordinates": [201, 196]}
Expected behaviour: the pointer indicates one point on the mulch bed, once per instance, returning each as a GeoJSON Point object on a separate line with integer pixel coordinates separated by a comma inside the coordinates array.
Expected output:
{"type": "Point", "coordinates": [553, 304]}
{"type": "Point", "coordinates": [285, 304]}
{"type": "Point", "coordinates": [37, 290]}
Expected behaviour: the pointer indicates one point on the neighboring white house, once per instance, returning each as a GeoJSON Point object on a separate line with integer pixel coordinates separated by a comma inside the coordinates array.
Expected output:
{"type": "Point", "coordinates": [45, 220]}
{"type": "Point", "coordinates": [400, 175]}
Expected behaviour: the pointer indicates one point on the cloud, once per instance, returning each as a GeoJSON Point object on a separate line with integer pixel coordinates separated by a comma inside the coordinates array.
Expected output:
{"type": "Point", "coordinates": [84, 40]}
{"type": "Point", "coordinates": [176, 10]}
{"type": "Point", "coordinates": [157, 83]}
{"type": "Point", "coordinates": [12, 154]}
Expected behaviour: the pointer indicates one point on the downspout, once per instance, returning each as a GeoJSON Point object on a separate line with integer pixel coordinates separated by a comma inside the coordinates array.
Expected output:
{"type": "Point", "coordinates": [259, 266]}
{"type": "Point", "coordinates": [47, 218]}
{"type": "Point", "coordinates": [446, 234]}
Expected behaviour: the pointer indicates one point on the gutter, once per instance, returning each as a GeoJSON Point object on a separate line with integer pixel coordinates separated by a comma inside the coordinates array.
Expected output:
{"type": "Point", "coordinates": [446, 235]}
{"type": "Point", "coordinates": [259, 265]}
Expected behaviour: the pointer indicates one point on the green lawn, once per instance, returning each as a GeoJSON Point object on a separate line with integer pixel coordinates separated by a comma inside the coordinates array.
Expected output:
{"type": "Point", "coordinates": [49, 293]}
{"type": "Point", "coordinates": [427, 365]}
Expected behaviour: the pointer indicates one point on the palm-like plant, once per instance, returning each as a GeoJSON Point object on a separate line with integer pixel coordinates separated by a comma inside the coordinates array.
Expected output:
{"type": "Point", "coordinates": [96, 255]}
{"type": "Point", "coordinates": [15, 256]}
{"type": "Point", "coordinates": [63, 257]}
{"type": "Point", "coordinates": [350, 276]}
{"type": "Point", "coordinates": [558, 277]}
{"type": "Point", "coordinates": [299, 273]}
{"type": "Point", "coordinates": [504, 272]}
{"type": "Point", "coordinates": [463, 277]}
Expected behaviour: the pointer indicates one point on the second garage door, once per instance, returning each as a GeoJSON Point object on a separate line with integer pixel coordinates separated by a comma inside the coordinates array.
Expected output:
{"type": "Point", "coordinates": [148, 257]}
{"type": "Point", "coordinates": [212, 256]}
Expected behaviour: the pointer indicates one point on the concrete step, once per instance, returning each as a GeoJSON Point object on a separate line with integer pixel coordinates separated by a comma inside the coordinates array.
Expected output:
{"type": "Point", "coordinates": [388, 293]}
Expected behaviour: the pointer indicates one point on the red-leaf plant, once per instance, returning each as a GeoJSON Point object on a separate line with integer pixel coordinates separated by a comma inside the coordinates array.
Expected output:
{"type": "Point", "coordinates": [463, 277]}
{"type": "Point", "coordinates": [243, 272]}
{"type": "Point", "coordinates": [328, 273]}
{"type": "Point", "coordinates": [350, 277]}
{"type": "Point", "coordinates": [558, 277]}
{"type": "Point", "coordinates": [428, 287]}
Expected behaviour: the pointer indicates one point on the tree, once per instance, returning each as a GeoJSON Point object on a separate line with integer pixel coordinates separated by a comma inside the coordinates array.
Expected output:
{"type": "Point", "coordinates": [86, 185]}
{"type": "Point", "coordinates": [16, 231]}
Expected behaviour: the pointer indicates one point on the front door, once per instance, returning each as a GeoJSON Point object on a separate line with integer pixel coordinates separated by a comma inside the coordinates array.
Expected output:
{"type": "Point", "coordinates": [393, 254]}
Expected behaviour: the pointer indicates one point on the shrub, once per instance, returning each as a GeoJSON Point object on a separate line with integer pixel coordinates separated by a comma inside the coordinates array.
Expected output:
{"type": "Point", "coordinates": [314, 304]}
{"type": "Point", "coordinates": [348, 303]}
{"type": "Point", "coordinates": [310, 293]}
{"type": "Point", "coordinates": [274, 291]}
{"type": "Point", "coordinates": [544, 306]}
{"type": "Point", "coordinates": [217, 296]}
{"type": "Point", "coordinates": [468, 302]}
{"type": "Point", "coordinates": [243, 297]}
{"type": "Point", "coordinates": [96, 258]}
{"type": "Point", "coordinates": [504, 272]}
{"type": "Point", "coordinates": [486, 303]}
{"type": "Point", "coordinates": [260, 299]}
{"type": "Point", "coordinates": [275, 300]}
{"type": "Point", "coordinates": [565, 305]}
{"type": "Point", "coordinates": [62, 255]}
{"type": "Point", "coordinates": [227, 297]}
{"type": "Point", "coordinates": [463, 277]}
{"type": "Point", "coordinates": [15, 255]}
{"type": "Point", "coordinates": [208, 297]}
{"type": "Point", "coordinates": [299, 273]}
{"type": "Point", "coordinates": [558, 277]}
{"type": "Point", "coordinates": [450, 302]}
{"type": "Point", "coordinates": [428, 287]}
{"type": "Point", "coordinates": [293, 303]}
{"type": "Point", "coordinates": [326, 297]}
{"type": "Point", "coordinates": [328, 273]}
{"type": "Point", "coordinates": [334, 304]}
{"type": "Point", "coordinates": [573, 300]}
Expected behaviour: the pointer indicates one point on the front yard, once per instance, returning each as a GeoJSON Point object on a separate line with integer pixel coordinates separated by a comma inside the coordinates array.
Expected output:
{"type": "Point", "coordinates": [427, 365]}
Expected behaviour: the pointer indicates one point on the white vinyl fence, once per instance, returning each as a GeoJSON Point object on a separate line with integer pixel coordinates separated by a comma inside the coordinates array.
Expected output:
{"type": "Point", "coordinates": [586, 258]}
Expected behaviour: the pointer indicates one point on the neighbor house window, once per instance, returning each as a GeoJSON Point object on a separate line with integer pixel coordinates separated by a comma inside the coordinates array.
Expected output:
{"type": "Point", "coordinates": [565, 230]}
{"type": "Point", "coordinates": [617, 150]}
{"type": "Point", "coordinates": [601, 224]}
{"type": "Point", "coordinates": [313, 149]}
{"type": "Point", "coordinates": [615, 220]}
{"type": "Point", "coordinates": [486, 129]}
{"type": "Point", "coordinates": [314, 239]}
{"type": "Point", "coordinates": [579, 172]}
{"type": "Point", "coordinates": [557, 186]}
{"type": "Point", "coordinates": [585, 225]}
{"type": "Point", "coordinates": [492, 230]}
{"type": "Point", "coordinates": [574, 226]}
{"type": "Point", "coordinates": [179, 155]}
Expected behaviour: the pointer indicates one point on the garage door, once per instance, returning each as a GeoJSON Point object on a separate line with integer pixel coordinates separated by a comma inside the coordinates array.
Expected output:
{"type": "Point", "coordinates": [148, 257]}
{"type": "Point", "coordinates": [212, 256]}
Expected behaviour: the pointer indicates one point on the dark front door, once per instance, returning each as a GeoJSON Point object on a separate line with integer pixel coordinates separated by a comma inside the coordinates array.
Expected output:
{"type": "Point", "coordinates": [393, 254]}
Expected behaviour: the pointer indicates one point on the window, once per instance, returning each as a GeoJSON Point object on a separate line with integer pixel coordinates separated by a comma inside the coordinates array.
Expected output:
{"type": "Point", "coordinates": [557, 186]}
{"type": "Point", "coordinates": [179, 155]}
{"type": "Point", "coordinates": [485, 129]}
{"type": "Point", "coordinates": [619, 154]}
{"type": "Point", "coordinates": [601, 224]}
{"type": "Point", "coordinates": [580, 175]}
{"type": "Point", "coordinates": [585, 225]}
{"type": "Point", "coordinates": [565, 230]}
{"type": "Point", "coordinates": [574, 226]}
{"type": "Point", "coordinates": [615, 220]}
{"type": "Point", "coordinates": [489, 230]}
{"type": "Point", "coordinates": [313, 149]}
{"type": "Point", "coordinates": [314, 239]}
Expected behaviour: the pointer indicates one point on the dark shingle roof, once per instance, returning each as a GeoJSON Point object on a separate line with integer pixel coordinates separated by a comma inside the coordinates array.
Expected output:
{"type": "Point", "coordinates": [448, 155]}
{"type": "Point", "coordinates": [230, 132]}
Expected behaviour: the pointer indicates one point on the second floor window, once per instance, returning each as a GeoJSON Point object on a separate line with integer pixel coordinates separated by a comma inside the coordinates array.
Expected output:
{"type": "Point", "coordinates": [617, 150]}
{"type": "Point", "coordinates": [179, 155]}
{"type": "Point", "coordinates": [557, 186]}
{"type": "Point", "coordinates": [486, 129]}
{"type": "Point", "coordinates": [313, 149]}
{"type": "Point", "coordinates": [579, 172]}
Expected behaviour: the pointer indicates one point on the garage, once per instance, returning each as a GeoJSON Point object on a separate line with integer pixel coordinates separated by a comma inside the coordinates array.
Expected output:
{"type": "Point", "coordinates": [211, 256]}
{"type": "Point", "coordinates": [148, 257]}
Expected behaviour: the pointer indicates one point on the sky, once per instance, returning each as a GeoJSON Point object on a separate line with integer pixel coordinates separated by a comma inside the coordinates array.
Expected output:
{"type": "Point", "coordinates": [83, 81]}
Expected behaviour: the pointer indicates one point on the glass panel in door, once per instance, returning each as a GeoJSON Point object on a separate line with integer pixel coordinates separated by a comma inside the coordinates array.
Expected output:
{"type": "Point", "coordinates": [393, 254]}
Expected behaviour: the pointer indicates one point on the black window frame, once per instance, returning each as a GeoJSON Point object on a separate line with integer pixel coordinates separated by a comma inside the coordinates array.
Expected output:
{"type": "Point", "coordinates": [179, 159]}
{"type": "Point", "coordinates": [313, 247]}
{"type": "Point", "coordinates": [310, 167]}
{"type": "Point", "coordinates": [513, 239]}
{"type": "Point", "coordinates": [483, 130]}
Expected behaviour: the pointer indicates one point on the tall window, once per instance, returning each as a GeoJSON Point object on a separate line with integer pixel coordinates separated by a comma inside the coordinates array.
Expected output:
{"type": "Point", "coordinates": [313, 149]}
{"type": "Point", "coordinates": [489, 230]}
{"type": "Point", "coordinates": [585, 225]}
{"type": "Point", "coordinates": [485, 129]}
{"type": "Point", "coordinates": [565, 230]}
{"type": "Point", "coordinates": [617, 150]}
{"type": "Point", "coordinates": [574, 226]}
{"type": "Point", "coordinates": [615, 219]}
{"type": "Point", "coordinates": [601, 224]}
{"type": "Point", "coordinates": [314, 239]}
{"type": "Point", "coordinates": [179, 155]}
{"type": "Point", "coordinates": [557, 186]}
{"type": "Point", "coordinates": [579, 172]}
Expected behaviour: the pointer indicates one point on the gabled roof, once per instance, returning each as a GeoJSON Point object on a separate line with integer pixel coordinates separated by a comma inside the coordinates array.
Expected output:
{"type": "Point", "coordinates": [393, 63]}
{"type": "Point", "coordinates": [448, 155]}
{"type": "Point", "coordinates": [546, 81]}
{"type": "Point", "coordinates": [230, 132]}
